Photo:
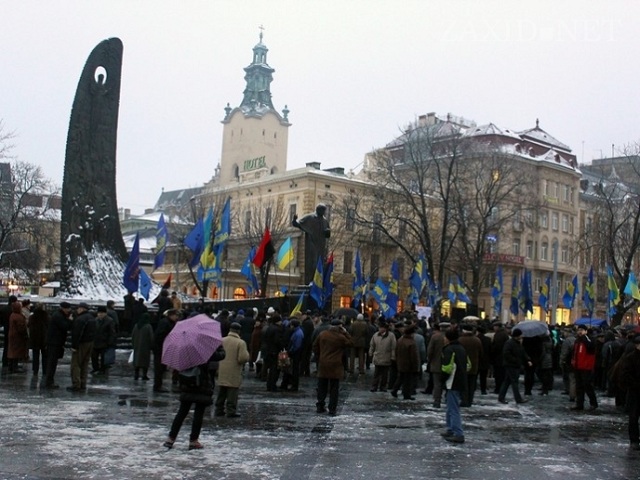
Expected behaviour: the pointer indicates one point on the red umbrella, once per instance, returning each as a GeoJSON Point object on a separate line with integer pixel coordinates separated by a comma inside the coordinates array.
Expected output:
{"type": "Point", "coordinates": [191, 342]}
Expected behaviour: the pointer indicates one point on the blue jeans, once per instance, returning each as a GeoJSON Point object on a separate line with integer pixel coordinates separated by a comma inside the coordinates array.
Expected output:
{"type": "Point", "coordinates": [453, 418]}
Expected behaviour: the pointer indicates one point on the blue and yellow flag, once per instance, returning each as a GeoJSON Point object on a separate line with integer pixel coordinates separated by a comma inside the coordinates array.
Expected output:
{"type": "Point", "coordinates": [392, 291]}
{"type": "Point", "coordinates": [131, 276]}
{"type": "Point", "coordinates": [317, 291]}
{"type": "Point", "coordinates": [589, 294]}
{"type": "Point", "coordinates": [328, 279]}
{"type": "Point", "coordinates": [571, 292]}
{"type": "Point", "coordinates": [614, 293]}
{"type": "Point", "coordinates": [247, 272]}
{"type": "Point", "coordinates": [462, 291]}
{"type": "Point", "coordinates": [223, 228]}
{"type": "Point", "coordinates": [496, 291]}
{"type": "Point", "coordinates": [515, 293]}
{"type": "Point", "coordinates": [543, 299]}
{"type": "Point", "coordinates": [632, 287]}
{"type": "Point", "coordinates": [162, 238]}
{"type": "Point", "coordinates": [285, 254]}
{"type": "Point", "coordinates": [298, 308]}
{"type": "Point", "coordinates": [451, 294]}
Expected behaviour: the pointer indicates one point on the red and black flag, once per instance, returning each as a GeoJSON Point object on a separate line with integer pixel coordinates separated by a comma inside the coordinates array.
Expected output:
{"type": "Point", "coordinates": [265, 251]}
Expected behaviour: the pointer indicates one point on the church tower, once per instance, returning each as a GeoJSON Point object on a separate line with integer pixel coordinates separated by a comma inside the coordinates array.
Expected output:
{"type": "Point", "coordinates": [255, 136]}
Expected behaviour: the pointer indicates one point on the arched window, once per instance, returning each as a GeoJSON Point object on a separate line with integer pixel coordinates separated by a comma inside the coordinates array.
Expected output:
{"type": "Point", "coordinates": [236, 171]}
{"type": "Point", "coordinates": [239, 293]}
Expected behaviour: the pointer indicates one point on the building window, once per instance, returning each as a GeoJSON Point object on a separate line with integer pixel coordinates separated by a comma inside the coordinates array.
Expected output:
{"type": "Point", "coordinates": [545, 187]}
{"type": "Point", "coordinates": [544, 220]}
{"type": "Point", "coordinates": [267, 217]}
{"type": "Point", "coordinates": [554, 221]}
{"type": "Point", "coordinates": [564, 254]}
{"type": "Point", "coordinates": [239, 293]}
{"type": "Point", "coordinates": [530, 249]}
{"type": "Point", "coordinates": [375, 266]}
{"type": "Point", "coordinates": [557, 190]}
{"type": "Point", "coordinates": [347, 264]}
{"type": "Point", "coordinates": [402, 231]}
{"type": "Point", "coordinates": [544, 251]}
{"type": "Point", "coordinates": [516, 247]}
{"type": "Point", "coordinates": [571, 225]}
{"type": "Point", "coordinates": [377, 220]}
{"type": "Point", "coordinates": [350, 220]}
{"type": "Point", "coordinates": [565, 223]}
{"type": "Point", "coordinates": [537, 284]}
{"type": "Point", "coordinates": [345, 301]}
{"type": "Point", "coordinates": [293, 209]}
{"type": "Point", "coordinates": [247, 221]}
{"type": "Point", "coordinates": [567, 193]}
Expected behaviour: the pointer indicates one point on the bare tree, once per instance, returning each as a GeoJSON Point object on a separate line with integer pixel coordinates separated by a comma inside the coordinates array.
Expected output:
{"type": "Point", "coordinates": [613, 236]}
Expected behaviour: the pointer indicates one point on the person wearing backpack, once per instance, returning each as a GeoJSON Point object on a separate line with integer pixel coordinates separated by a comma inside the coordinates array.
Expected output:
{"type": "Point", "coordinates": [196, 389]}
{"type": "Point", "coordinates": [230, 372]}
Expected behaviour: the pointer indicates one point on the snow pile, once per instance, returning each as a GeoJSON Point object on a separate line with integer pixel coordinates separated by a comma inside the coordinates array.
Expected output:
{"type": "Point", "coordinates": [98, 276]}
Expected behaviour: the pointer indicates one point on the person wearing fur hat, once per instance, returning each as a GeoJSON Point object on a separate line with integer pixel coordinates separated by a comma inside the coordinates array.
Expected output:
{"type": "Point", "coordinates": [83, 334]}
{"type": "Point", "coordinates": [329, 348]}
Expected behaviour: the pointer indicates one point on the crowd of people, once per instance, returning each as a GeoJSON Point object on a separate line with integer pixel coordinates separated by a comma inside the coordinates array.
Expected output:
{"type": "Point", "coordinates": [446, 360]}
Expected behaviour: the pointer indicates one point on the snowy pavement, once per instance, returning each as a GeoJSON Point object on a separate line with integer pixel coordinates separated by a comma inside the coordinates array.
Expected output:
{"type": "Point", "coordinates": [116, 430]}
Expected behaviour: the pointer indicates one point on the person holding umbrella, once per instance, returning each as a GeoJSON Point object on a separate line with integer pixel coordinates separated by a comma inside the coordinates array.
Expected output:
{"type": "Point", "coordinates": [189, 348]}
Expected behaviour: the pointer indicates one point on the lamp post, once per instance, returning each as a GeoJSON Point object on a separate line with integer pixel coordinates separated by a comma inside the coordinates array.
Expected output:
{"type": "Point", "coordinates": [554, 284]}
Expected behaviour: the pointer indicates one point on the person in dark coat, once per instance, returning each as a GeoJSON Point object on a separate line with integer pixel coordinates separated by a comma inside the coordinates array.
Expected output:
{"type": "Point", "coordinates": [247, 322]}
{"type": "Point", "coordinates": [473, 346]}
{"type": "Point", "coordinates": [259, 327]}
{"type": "Point", "coordinates": [200, 395]}
{"type": "Point", "coordinates": [408, 364]}
{"type": "Point", "coordinates": [5, 311]}
{"type": "Point", "coordinates": [164, 303]}
{"type": "Point", "coordinates": [18, 338]}
{"type": "Point", "coordinates": [454, 369]}
{"type": "Point", "coordinates": [329, 348]}
{"type": "Point", "coordinates": [83, 334]}
{"type": "Point", "coordinates": [500, 337]}
{"type": "Point", "coordinates": [105, 338]}
{"type": "Point", "coordinates": [142, 340]}
{"type": "Point", "coordinates": [38, 326]}
{"type": "Point", "coordinates": [139, 308]}
{"type": "Point", "coordinates": [513, 358]}
{"type": "Point", "coordinates": [307, 329]}
{"type": "Point", "coordinates": [59, 325]}
{"type": "Point", "coordinates": [273, 343]}
{"type": "Point", "coordinates": [165, 325]}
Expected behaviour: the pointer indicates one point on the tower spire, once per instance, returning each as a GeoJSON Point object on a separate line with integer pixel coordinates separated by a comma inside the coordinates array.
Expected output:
{"type": "Point", "coordinates": [258, 75]}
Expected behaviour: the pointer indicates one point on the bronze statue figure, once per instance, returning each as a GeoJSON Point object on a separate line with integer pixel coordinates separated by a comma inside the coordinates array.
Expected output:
{"type": "Point", "coordinates": [316, 231]}
{"type": "Point", "coordinates": [89, 207]}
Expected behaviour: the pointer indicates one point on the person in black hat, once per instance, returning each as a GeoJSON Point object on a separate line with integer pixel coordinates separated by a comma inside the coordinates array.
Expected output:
{"type": "Point", "coordinates": [583, 363]}
{"type": "Point", "coordinates": [59, 325]}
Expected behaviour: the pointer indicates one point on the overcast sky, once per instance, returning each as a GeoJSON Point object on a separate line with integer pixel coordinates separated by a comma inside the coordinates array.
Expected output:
{"type": "Point", "coordinates": [351, 73]}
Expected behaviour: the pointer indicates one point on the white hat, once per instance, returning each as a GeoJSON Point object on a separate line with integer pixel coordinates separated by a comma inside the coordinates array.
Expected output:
{"type": "Point", "coordinates": [360, 317]}
{"type": "Point", "coordinates": [270, 311]}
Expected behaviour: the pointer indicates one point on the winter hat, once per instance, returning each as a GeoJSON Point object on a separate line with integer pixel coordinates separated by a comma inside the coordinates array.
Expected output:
{"type": "Point", "coordinates": [467, 328]}
{"type": "Point", "coordinates": [336, 321]}
{"type": "Point", "coordinates": [102, 309]}
{"type": "Point", "coordinates": [360, 317]}
{"type": "Point", "coordinates": [83, 305]}
{"type": "Point", "coordinates": [236, 326]}
{"type": "Point", "coordinates": [516, 333]}
{"type": "Point", "coordinates": [65, 305]}
{"type": "Point", "coordinates": [240, 312]}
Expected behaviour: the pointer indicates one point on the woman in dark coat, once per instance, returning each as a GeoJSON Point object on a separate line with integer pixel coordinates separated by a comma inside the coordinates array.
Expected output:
{"type": "Point", "coordinates": [18, 337]}
{"type": "Point", "coordinates": [142, 340]}
{"type": "Point", "coordinates": [38, 327]}
{"type": "Point", "coordinates": [197, 391]}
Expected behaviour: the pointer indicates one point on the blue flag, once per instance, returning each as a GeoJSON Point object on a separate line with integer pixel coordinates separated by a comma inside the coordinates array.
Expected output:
{"type": "Point", "coordinates": [223, 229]}
{"type": "Point", "coordinates": [514, 307]}
{"type": "Point", "coordinates": [132, 270]}
{"type": "Point", "coordinates": [194, 241]}
{"type": "Point", "coordinates": [358, 280]}
{"type": "Point", "coordinates": [145, 284]}
{"type": "Point", "coordinates": [543, 299]}
{"type": "Point", "coordinates": [247, 271]}
{"type": "Point", "coordinates": [462, 291]}
{"type": "Point", "coordinates": [589, 294]}
{"type": "Point", "coordinates": [162, 238]}
{"type": "Point", "coordinates": [317, 289]}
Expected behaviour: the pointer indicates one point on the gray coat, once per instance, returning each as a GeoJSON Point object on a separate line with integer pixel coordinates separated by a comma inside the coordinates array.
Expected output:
{"type": "Point", "coordinates": [142, 339]}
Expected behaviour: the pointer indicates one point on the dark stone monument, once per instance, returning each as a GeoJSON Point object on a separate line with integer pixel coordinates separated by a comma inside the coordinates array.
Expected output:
{"type": "Point", "coordinates": [316, 231]}
{"type": "Point", "coordinates": [90, 225]}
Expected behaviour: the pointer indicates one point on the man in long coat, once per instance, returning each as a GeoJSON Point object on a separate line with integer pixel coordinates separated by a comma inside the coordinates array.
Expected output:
{"type": "Point", "coordinates": [329, 348]}
{"type": "Point", "coordinates": [230, 372]}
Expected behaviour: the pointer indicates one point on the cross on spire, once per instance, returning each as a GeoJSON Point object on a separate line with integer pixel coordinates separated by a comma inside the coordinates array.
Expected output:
{"type": "Point", "coordinates": [261, 28]}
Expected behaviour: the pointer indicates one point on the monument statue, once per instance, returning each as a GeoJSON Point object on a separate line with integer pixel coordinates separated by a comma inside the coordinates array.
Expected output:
{"type": "Point", "coordinates": [90, 224]}
{"type": "Point", "coordinates": [316, 231]}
